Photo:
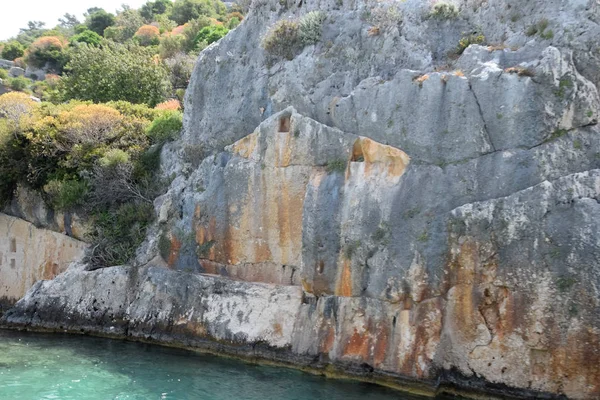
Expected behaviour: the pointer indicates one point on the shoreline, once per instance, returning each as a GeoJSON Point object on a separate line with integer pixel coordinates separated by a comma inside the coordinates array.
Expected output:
{"type": "Point", "coordinates": [448, 384]}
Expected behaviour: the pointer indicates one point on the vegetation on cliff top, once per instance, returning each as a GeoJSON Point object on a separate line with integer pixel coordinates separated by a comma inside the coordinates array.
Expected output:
{"type": "Point", "coordinates": [111, 88]}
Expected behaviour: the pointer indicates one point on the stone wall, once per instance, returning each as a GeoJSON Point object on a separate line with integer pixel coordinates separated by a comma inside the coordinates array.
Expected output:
{"type": "Point", "coordinates": [29, 254]}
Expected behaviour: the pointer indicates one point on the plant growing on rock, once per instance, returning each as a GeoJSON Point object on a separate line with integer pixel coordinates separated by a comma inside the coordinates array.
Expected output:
{"type": "Point", "coordinates": [12, 50]}
{"type": "Point", "coordinates": [444, 10]}
{"type": "Point", "coordinates": [287, 38]}
{"type": "Point", "coordinates": [47, 51]}
{"type": "Point", "coordinates": [466, 41]}
{"type": "Point", "coordinates": [385, 18]}
{"type": "Point", "coordinates": [282, 40]}
{"type": "Point", "coordinates": [311, 27]}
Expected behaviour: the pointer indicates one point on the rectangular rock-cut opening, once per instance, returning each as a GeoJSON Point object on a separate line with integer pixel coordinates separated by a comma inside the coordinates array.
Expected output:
{"type": "Point", "coordinates": [13, 263]}
{"type": "Point", "coordinates": [13, 245]}
{"type": "Point", "coordinates": [284, 124]}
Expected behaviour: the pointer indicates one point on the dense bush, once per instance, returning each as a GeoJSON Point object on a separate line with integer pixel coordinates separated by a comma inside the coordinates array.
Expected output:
{"type": "Point", "coordinates": [166, 127]}
{"type": "Point", "coordinates": [13, 50]}
{"type": "Point", "coordinates": [19, 83]}
{"type": "Point", "coordinates": [187, 10]}
{"type": "Point", "coordinates": [87, 36]}
{"type": "Point", "coordinates": [211, 34]}
{"type": "Point", "coordinates": [47, 51]}
{"type": "Point", "coordinates": [116, 72]}
{"type": "Point", "coordinates": [444, 10]}
{"type": "Point", "coordinates": [98, 20]}
{"type": "Point", "coordinates": [311, 27]}
{"type": "Point", "coordinates": [466, 41]}
{"type": "Point", "coordinates": [147, 35]}
{"type": "Point", "coordinates": [151, 9]}
{"type": "Point", "coordinates": [3, 73]}
{"type": "Point", "coordinates": [283, 40]}
{"type": "Point", "coordinates": [67, 194]}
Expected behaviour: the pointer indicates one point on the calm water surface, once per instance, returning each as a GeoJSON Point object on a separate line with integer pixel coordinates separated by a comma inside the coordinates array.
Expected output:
{"type": "Point", "coordinates": [64, 367]}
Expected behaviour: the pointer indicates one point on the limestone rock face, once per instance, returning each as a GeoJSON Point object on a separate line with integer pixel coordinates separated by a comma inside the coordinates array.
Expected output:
{"type": "Point", "coordinates": [28, 254]}
{"type": "Point", "coordinates": [376, 205]}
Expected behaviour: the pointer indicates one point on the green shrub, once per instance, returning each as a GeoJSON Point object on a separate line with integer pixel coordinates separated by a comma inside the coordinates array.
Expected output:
{"type": "Point", "coordinates": [12, 50]}
{"type": "Point", "coordinates": [311, 27]}
{"type": "Point", "coordinates": [19, 83]}
{"type": "Point", "coordinates": [233, 23]}
{"type": "Point", "coordinates": [116, 72]}
{"type": "Point", "coordinates": [166, 127]}
{"type": "Point", "coordinates": [211, 34]}
{"type": "Point", "coordinates": [98, 20]}
{"type": "Point", "coordinates": [187, 10]}
{"type": "Point", "coordinates": [117, 233]}
{"type": "Point", "coordinates": [466, 41]}
{"type": "Point", "coordinates": [87, 36]}
{"type": "Point", "coordinates": [283, 40]}
{"type": "Point", "coordinates": [3, 74]}
{"type": "Point", "coordinates": [65, 195]}
{"type": "Point", "coordinates": [444, 10]}
{"type": "Point", "coordinates": [114, 157]}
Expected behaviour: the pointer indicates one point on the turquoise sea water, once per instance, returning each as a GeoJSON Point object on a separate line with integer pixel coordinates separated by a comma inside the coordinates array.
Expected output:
{"type": "Point", "coordinates": [65, 367]}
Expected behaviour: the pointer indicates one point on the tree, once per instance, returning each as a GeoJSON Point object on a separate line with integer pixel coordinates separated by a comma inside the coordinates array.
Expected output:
{"type": "Point", "coordinates": [187, 10]}
{"type": "Point", "coordinates": [12, 50]}
{"type": "Point", "coordinates": [126, 25]}
{"type": "Point", "coordinates": [47, 51]}
{"type": "Point", "coordinates": [153, 8]}
{"type": "Point", "coordinates": [211, 34]}
{"type": "Point", "coordinates": [147, 35]}
{"type": "Point", "coordinates": [116, 72]}
{"type": "Point", "coordinates": [98, 20]}
{"type": "Point", "coordinates": [89, 37]}
{"type": "Point", "coordinates": [69, 21]}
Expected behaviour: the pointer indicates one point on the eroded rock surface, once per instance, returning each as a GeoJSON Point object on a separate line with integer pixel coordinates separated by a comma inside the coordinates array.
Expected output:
{"type": "Point", "coordinates": [376, 205]}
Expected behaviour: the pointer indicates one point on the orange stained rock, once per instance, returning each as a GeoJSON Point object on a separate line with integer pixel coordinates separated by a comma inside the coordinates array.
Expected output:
{"type": "Point", "coordinates": [246, 146]}
{"type": "Point", "coordinates": [392, 159]}
{"type": "Point", "coordinates": [327, 344]}
{"type": "Point", "coordinates": [174, 251]}
{"type": "Point", "coordinates": [344, 287]}
{"type": "Point", "coordinates": [358, 345]}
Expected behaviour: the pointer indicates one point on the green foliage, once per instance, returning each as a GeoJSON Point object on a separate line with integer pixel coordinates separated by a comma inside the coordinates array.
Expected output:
{"type": "Point", "coordinates": [88, 37]}
{"type": "Point", "coordinates": [98, 20]}
{"type": "Point", "coordinates": [338, 165]}
{"type": "Point", "coordinates": [47, 52]}
{"type": "Point", "coordinates": [233, 23]}
{"type": "Point", "coordinates": [466, 41]}
{"type": "Point", "coordinates": [3, 74]}
{"type": "Point", "coordinates": [311, 27]}
{"type": "Point", "coordinates": [113, 158]}
{"type": "Point", "coordinates": [540, 28]}
{"type": "Point", "coordinates": [66, 194]}
{"type": "Point", "coordinates": [283, 39]}
{"type": "Point", "coordinates": [187, 10]}
{"type": "Point", "coordinates": [211, 34]}
{"type": "Point", "coordinates": [166, 127]}
{"type": "Point", "coordinates": [171, 45]}
{"type": "Point", "coordinates": [287, 38]}
{"type": "Point", "coordinates": [12, 50]}
{"type": "Point", "coordinates": [117, 233]}
{"type": "Point", "coordinates": [116, 72]}
{"type": "Point", "coordinates": [444, 10]}
{"type": "Point", "coordinates": [19, 83]}
{"type": "Point", "coordinates": [151, 9]}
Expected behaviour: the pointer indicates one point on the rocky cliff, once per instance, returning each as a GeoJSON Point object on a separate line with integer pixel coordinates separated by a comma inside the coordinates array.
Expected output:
{"type": "Point", "coordinates": [382, 203]}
